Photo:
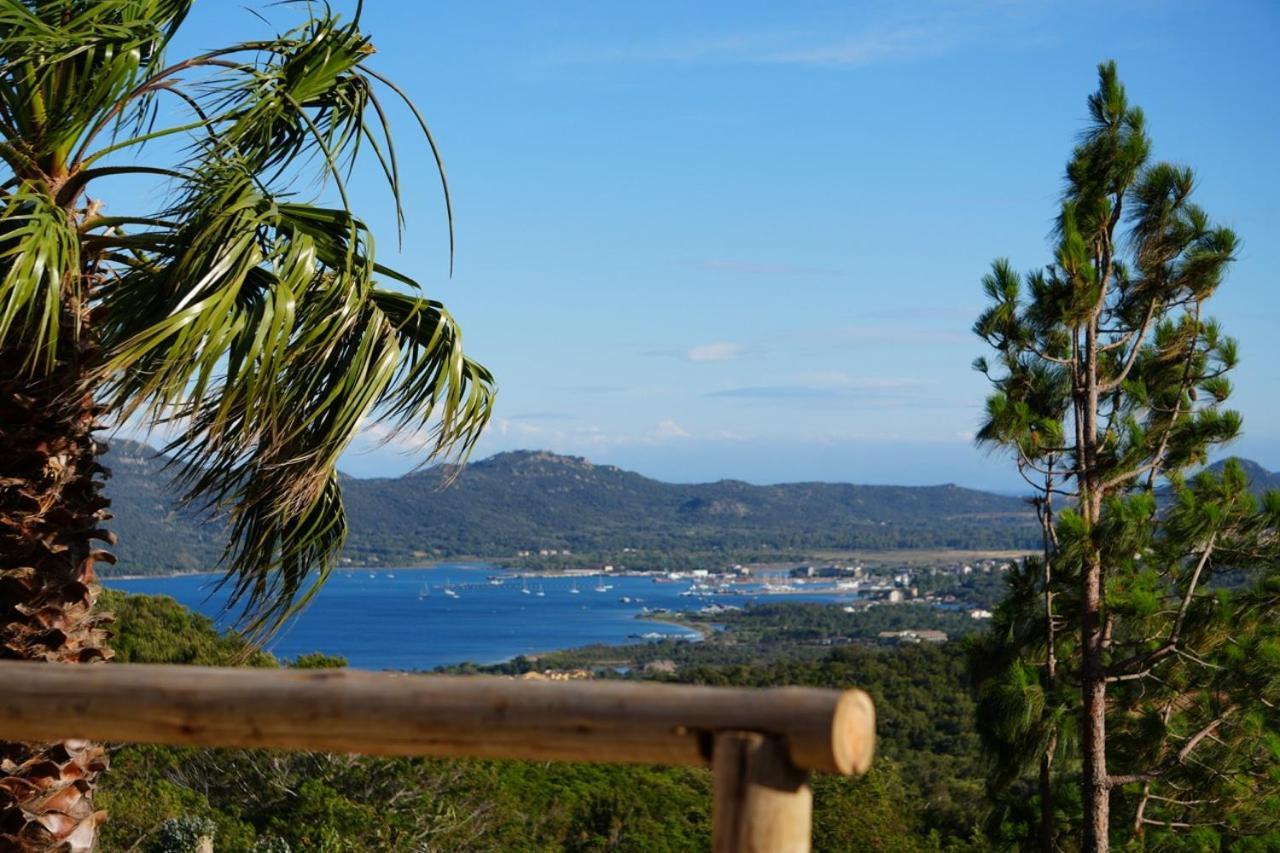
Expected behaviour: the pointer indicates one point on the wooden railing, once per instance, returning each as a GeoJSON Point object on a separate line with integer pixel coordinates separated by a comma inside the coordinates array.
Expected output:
{"type": "Point", "coordinates": [761, 744]}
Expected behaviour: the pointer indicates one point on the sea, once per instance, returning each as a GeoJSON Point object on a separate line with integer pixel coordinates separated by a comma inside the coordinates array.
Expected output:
{"type": "Point", "coordinates": [420, 619]}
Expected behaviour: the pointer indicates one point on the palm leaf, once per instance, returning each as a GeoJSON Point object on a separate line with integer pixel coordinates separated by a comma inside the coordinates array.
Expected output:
{"type": "Point", "coordinates": [245, 320]}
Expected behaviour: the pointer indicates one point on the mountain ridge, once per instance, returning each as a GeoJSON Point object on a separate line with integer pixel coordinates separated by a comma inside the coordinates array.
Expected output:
{"type": "Point", "coordinates": [518, 503]}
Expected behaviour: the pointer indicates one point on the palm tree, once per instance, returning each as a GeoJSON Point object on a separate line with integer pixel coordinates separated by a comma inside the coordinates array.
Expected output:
{"type": "Point", "coordinates": [248, 323]}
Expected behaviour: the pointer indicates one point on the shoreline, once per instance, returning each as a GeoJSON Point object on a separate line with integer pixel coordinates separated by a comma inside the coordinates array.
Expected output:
{"type": "Point", "coordinates": [702, 629]}
{"type": "Point", "coordinates": [907, 557]}
{"type": "Point", "coordinates": [704, 633]}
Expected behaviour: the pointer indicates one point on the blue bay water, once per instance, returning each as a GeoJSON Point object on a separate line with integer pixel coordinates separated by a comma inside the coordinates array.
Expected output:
{"type": "Point", "coordinates": [404, 619]}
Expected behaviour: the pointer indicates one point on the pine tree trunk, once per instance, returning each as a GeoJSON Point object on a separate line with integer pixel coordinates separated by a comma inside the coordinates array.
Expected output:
{"type": "Point", "coordinates": [1097, 794]}
{"type": "Point", "coordinates": [1093, 684]}
{"type": "Point", "coordinates": [51, 510]}
{"type": "Point", "coordinates": [1045, 512]}
{"type": "Point", "coordinates": [1046, 797]}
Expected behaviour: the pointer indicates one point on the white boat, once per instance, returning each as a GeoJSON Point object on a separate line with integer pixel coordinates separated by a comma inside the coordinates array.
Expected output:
{"type": "Point", "coordinates": [573, 588]}
{"type": "Point", "coordinates": [540, 593]}
{"type": "Point", "coordinates": [450, 591]}
{"type": "Point", "coordinates": [524, 587]}
{"type": "Point", "coordinates": [424, 592]}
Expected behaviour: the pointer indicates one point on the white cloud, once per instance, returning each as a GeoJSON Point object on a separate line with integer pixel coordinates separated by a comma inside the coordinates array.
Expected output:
{"type": "Point", "coordinates": [578, 440]}
{"type": "Point", "coordinates": [669, 429]}
{"type": "Point", "coordinates": [375, 435]}
{"type": "Point", "coordinates": [723, 351]}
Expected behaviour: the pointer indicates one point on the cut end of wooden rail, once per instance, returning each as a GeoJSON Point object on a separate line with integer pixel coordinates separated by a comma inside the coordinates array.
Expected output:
{"type": "Point", "coordinates": [853, 733]}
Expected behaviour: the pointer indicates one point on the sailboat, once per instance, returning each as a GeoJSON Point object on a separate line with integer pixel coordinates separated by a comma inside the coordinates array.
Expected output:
{"type": "Point", "coordinates": [524, 587]}
{"type": "Point", "coordinates": [573, 588]}
{"type": "Point", "coordinates": [450, 591]}
{"type": "Point", "coordinates": [424, 592]}
{"type": "Point", "coordinates": [540, 593]}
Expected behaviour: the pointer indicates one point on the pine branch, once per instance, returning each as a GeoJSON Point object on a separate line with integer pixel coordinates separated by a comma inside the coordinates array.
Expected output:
{"type": "Point", "coordinates": [1191, 588]}
{"type": "Point", "coordinates": [1133, 353]}
{"type": "Point", "coordinates": [1181, 757]}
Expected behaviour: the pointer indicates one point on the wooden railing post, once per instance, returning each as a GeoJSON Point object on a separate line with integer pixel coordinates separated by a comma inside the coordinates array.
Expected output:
{"type": "Point", "coordinates": [762, 802]}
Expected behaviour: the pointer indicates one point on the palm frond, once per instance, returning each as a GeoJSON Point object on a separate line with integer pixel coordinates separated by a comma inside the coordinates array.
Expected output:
{"type": "Point", "coordinates": [39, 260]}
{"type": "Point", "coordinates": [249, 321]}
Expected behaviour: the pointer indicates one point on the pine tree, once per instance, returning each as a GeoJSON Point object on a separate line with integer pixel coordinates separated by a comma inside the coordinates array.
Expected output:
{"type": "Point", "coordinates": [1116, 655]}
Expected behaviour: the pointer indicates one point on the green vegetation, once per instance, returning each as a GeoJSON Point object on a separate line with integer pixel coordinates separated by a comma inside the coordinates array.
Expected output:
{"type": "Point", "coordinates": [770, 624]}
{"type": "Point", "coordinates": [923, 794]}
{"type": "Point", "coordinates": [1116, 665]}
{"type": "Point", "coordinates": [155, 629]}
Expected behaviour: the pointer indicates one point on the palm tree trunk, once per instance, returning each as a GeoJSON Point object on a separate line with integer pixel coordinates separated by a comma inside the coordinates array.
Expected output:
{"type": "Point", "coordinates": [51, 510]}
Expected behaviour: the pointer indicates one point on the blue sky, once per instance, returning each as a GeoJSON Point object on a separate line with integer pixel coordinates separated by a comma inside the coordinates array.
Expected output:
{"type": "Point", "coordinates": [745, 239]}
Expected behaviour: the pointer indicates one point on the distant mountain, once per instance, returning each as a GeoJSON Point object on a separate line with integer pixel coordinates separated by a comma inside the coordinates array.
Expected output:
{"type": "Point", "coordinates": [155, 534]}
{"type": "Point", "coordinates": [1260, 479]}
{"type": "Point", "coordinates": [529, 500]}
{"type": "Point", "coordinates": [533, 500]}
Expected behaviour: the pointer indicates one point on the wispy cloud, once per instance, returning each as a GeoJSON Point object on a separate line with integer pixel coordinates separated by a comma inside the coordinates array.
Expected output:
{"type": "Point", "coordinates": [375, 435]}
{"type": "Point", "coordinates": [512, 433]}
{"type": "Point", "coordinates": [545, 416]}
{"type": "Point", "coordinates": [902, 33]}
{"type": "Point", "coordinates": [898, 328]}
{"type": "Point", "coordinates": [841, 380]}
{"type": "Point", "coordinates": [888, 43]}
{"type": "Point", "coordinates": [879, 334]}
{"type": "Point", "coordinates": [591, 389]}
{"type": "Point", "coordinates": [667, 430]}
{"type": "Point", "coordinates": [949, 313]}
{"type": "Point", "coordinates": [723, 351]}
{"type": "Point", "coordinates": [829, 385]}
{"type": "Point", "coordinates": [774, 392]}
{"type": "Point", "coordinates": [759, 268]}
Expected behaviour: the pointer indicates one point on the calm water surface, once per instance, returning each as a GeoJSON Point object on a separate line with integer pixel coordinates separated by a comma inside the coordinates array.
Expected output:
{"type": "Point", "coordinates": [404, 618]}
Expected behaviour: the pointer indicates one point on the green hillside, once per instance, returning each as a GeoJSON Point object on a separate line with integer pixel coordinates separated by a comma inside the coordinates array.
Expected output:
{"type": "Point", "coordinates": [155, 533]}
{"type": "Point", "coordinates": [531, 501]}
